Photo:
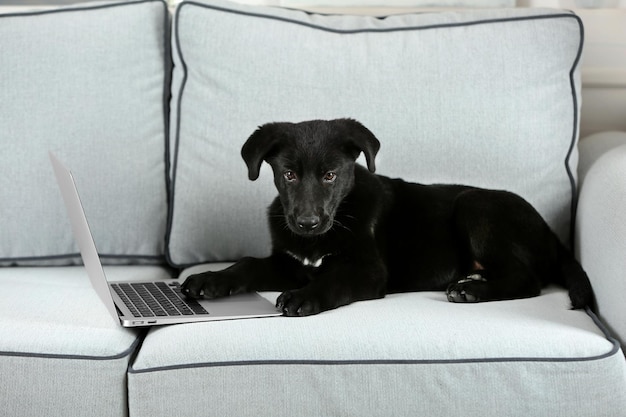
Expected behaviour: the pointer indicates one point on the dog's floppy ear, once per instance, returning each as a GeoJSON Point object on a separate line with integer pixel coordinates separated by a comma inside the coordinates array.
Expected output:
{"type": "Point", "coordinates": [263, 141]}
{"type": "Point", "coordinates": [362, 139]}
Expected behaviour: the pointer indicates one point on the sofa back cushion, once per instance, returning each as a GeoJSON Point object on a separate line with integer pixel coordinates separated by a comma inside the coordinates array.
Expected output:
{"type": "Point", "coordinates": [488, 98]}
{"type": "Point", "coordinates": [88, 83]}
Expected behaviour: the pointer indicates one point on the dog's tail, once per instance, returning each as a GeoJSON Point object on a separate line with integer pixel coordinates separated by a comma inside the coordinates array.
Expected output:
{"type": "Point", "coordinates": [575, 279]}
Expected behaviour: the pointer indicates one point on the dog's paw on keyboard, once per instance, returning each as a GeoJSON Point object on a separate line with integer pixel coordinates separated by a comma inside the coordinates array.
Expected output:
{"type": "Point", "coordinates": [209, 285]}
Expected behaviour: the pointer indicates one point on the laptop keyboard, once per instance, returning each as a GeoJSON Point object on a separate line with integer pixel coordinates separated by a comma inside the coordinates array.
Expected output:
{"type": "Point", "coordinates": [156, 299]}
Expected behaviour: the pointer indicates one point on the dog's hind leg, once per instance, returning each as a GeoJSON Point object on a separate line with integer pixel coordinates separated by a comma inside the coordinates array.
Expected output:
{"type": "Point", "coordinates": [496, 283]}
{"type": "Point", "coordinates": [504, 248]}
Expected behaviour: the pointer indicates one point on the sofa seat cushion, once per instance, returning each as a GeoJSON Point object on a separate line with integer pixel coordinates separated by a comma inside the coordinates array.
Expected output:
{"type": "Point", "coordinates": [409, 351]}
{"type": "Point", "coordinates": [55, 334]}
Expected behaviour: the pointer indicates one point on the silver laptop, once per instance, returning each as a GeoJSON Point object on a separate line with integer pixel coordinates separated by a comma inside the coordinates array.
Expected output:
{"type": "Point", "coordinates": [158, 302]}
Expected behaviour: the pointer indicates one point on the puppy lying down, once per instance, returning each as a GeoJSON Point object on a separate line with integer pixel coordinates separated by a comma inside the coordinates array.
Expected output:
{"type": "Point", "coordinates": [341, 233]}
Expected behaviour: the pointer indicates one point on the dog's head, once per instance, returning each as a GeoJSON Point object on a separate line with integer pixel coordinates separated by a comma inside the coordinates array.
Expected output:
{"type": "Point", "coordinates": [313, 164]}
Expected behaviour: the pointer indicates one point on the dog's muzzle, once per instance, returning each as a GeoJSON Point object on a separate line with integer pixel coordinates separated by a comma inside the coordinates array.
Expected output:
{"type": "Point", "coordinates": [308, 223]}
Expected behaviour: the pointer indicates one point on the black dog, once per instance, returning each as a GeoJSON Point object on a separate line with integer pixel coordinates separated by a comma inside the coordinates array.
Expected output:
{"type": "Point", "coordinates": [342, 234]}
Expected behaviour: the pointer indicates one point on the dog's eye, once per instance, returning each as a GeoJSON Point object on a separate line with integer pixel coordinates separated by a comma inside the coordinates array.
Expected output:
{"type": "Point", "coordinates": [290, 176]}
{"type": "Point", "coordinates": [330, 177]}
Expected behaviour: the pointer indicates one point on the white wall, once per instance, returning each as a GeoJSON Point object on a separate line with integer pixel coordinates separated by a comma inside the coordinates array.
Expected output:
{"type": "Point", "coordinates": [604, 70]}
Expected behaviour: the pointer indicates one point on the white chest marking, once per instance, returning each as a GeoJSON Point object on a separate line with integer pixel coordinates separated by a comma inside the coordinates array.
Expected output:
{"type": "Point", "coordinates": [315, 263]}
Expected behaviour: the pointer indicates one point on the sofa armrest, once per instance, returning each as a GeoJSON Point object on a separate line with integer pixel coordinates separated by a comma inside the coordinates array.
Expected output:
{"type": "Point", "coordinates": [594, 146]}
{"type": "Point", "coordinates": [601, 235]}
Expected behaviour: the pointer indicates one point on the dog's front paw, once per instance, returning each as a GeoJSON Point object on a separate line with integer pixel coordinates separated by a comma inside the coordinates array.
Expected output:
{"type": "Point", "coordinates": [210, 285]}
{"type": "Point", "coordinates": [467, 290]}
{"type": "Point", "coordinates": [297, 303]}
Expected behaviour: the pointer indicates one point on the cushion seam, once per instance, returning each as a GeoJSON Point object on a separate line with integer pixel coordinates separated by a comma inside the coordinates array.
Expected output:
{"type": "Point", "coordinates": [127, 352]}
{"type": "Point", "coordinates": [615, 350]}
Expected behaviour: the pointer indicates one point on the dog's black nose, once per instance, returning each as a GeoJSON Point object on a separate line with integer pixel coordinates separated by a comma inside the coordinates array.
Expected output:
{"type": "Point", "coordinates": [308, 223]}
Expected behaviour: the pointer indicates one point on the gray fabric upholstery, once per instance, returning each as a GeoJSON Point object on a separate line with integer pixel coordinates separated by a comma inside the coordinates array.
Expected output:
{"type": "Point", "coordinates": [405, 355]}
{"type": "Point", "coordinates": [99, 105]}
{"type": "Point", "coordinates": [487, 98]}
{"type": "Point", "coordinates": [601, 232]}
{"type": "Point", "coordinates": [61, 353]}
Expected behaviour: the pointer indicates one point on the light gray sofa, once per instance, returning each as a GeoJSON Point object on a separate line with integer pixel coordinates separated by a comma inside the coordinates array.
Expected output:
{"type": "Point", "coordinates": [150, 117]}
